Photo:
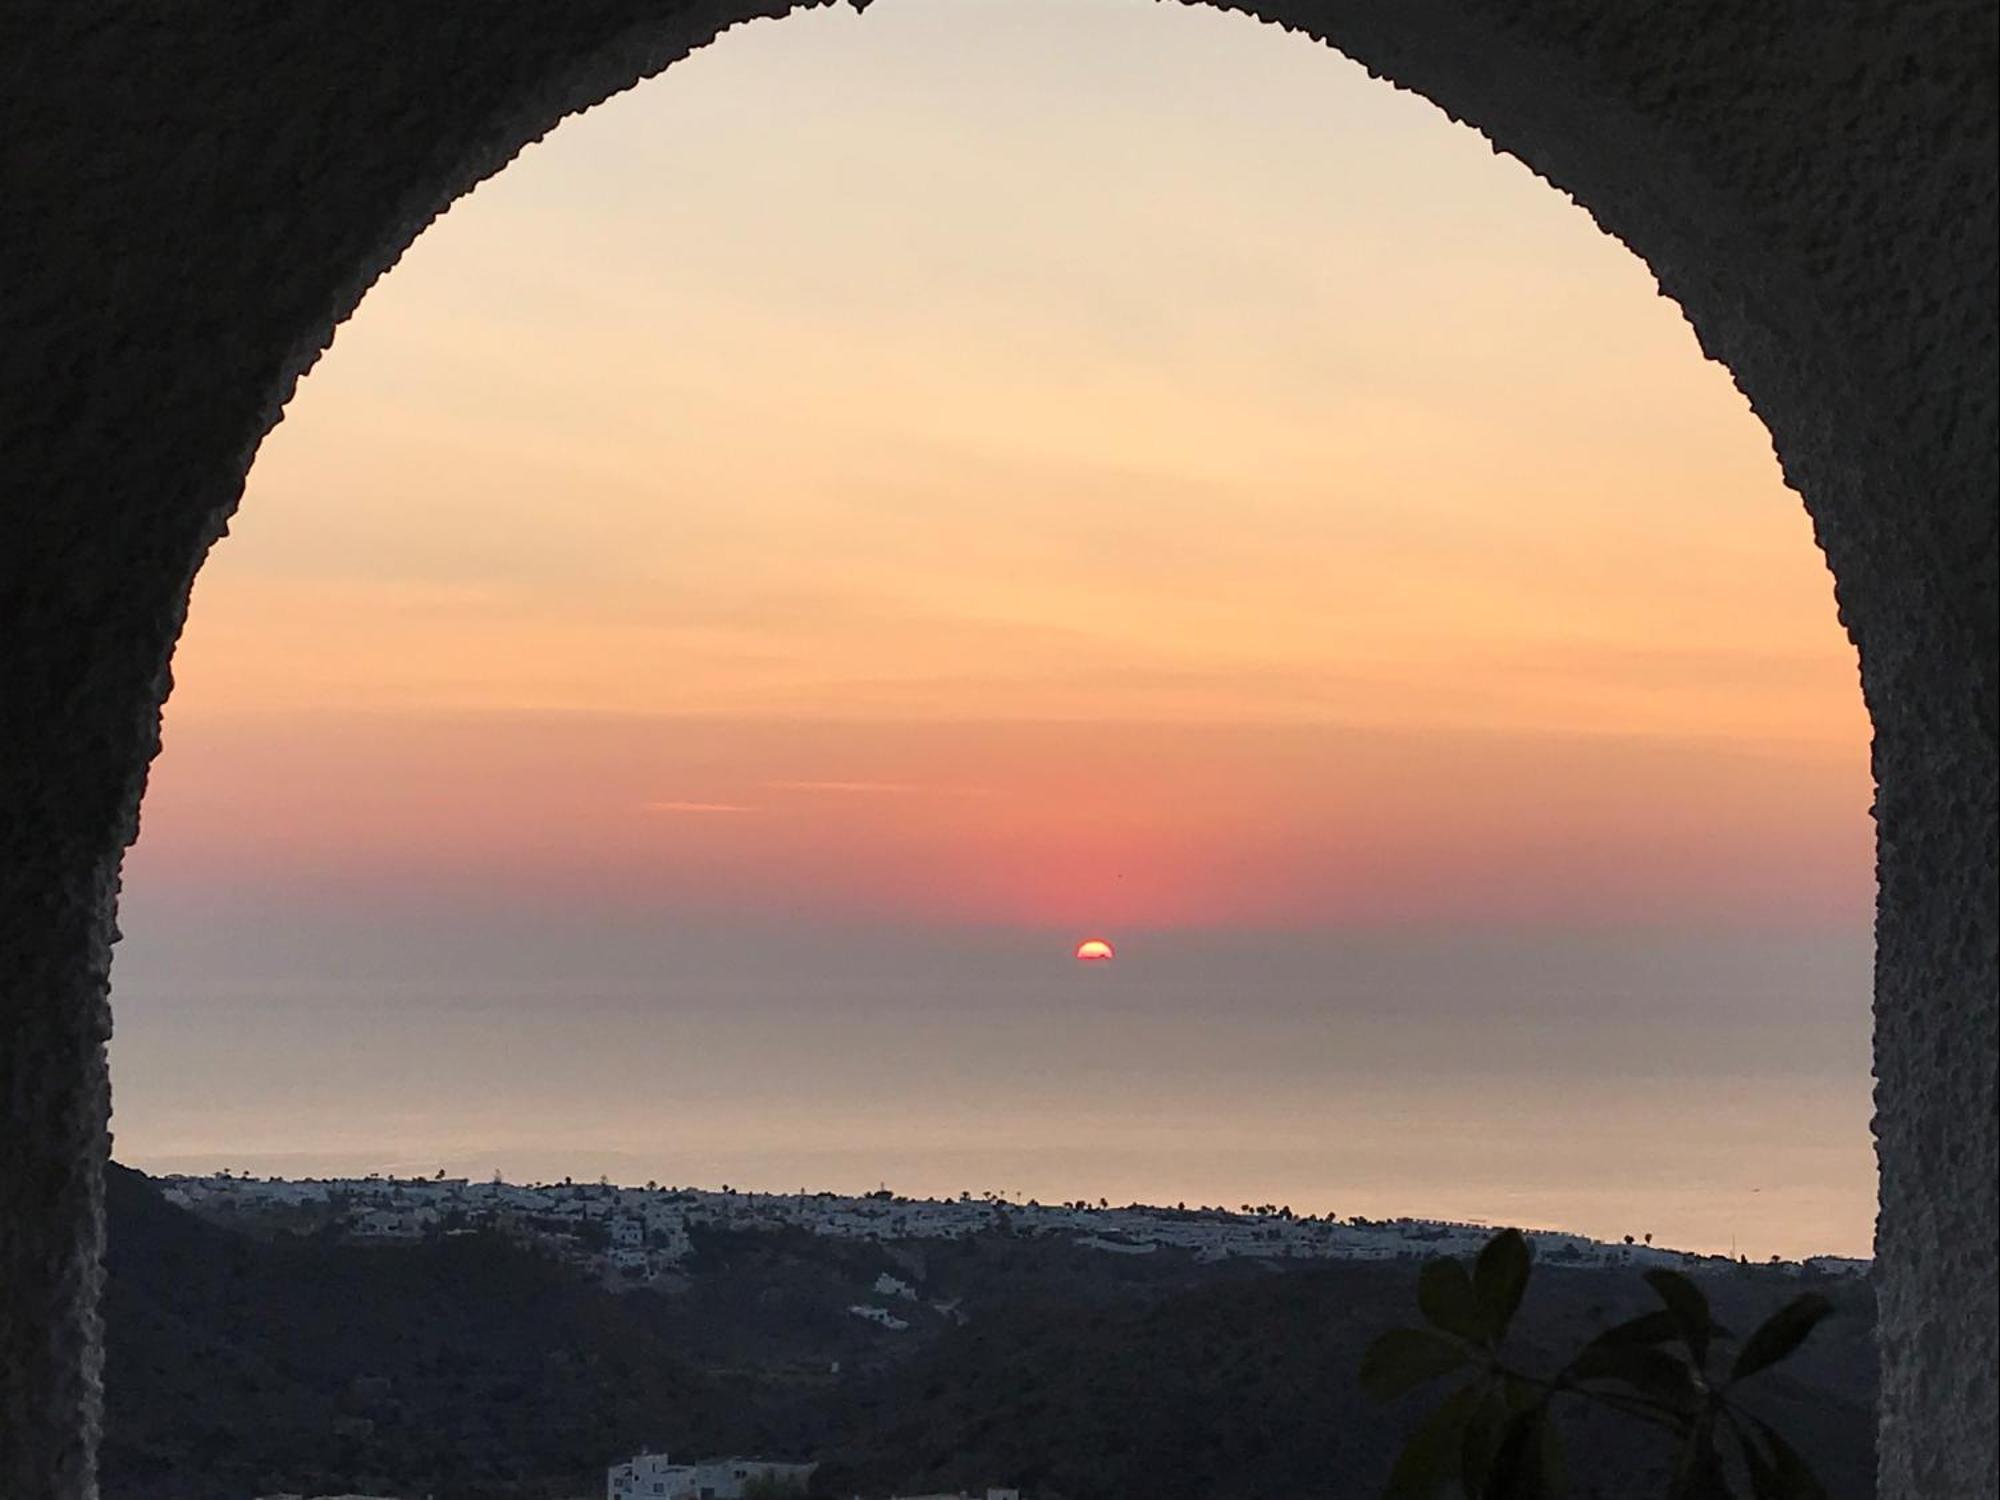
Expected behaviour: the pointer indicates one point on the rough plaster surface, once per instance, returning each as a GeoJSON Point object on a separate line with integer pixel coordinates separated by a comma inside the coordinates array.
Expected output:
{"type": "Point", "coordinates": [192, 196]}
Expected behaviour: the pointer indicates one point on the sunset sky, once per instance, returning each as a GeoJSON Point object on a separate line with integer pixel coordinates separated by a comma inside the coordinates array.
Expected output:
{"type": "Point", "coordinates": [829, 528]}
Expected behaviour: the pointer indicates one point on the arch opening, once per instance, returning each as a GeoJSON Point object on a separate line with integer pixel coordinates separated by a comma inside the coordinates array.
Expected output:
{"type": "Point", "coordinates": [890, 564]}
{"type": "Point", "coordinates": [1108, 423]}
{"type": "Point", "coordinates": [1898, 499]}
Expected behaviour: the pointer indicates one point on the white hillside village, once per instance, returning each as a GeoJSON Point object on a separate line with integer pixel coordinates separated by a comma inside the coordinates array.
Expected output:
{"type": "Point", "coordinates": [631, 1236]}
{"type": "Point", "coordinates": [652, 1476]}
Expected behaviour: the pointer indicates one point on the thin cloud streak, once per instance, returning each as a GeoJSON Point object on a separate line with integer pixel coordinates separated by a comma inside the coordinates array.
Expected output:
{"type": "Point", "coordinates": [698, 808]}
{"type": "Point", "coordinates": [846, 788]}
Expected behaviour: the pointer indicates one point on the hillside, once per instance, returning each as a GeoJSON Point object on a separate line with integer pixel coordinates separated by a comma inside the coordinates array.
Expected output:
{"type": "Point", "coordinates": [466, 1366]}
{"type": "Point", "coordinates": [463, 1366]}
{"type": "Point", "coordinates": [1247, 1391]}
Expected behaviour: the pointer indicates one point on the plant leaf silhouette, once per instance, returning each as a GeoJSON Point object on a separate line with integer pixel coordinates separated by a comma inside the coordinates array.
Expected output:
{"type": "Point", "coordinates": [1782, 1475]}
{"type": "Point", "coordinates": [1447, 1301]}
{"type": "Point", "coordinates": [1502, 1401]}
{"type": "Point", "coordinates": [1689, 1308]}
{"type": "Point", "coordinates": [1650, 1371]}
{"type": "Point", "coordinates": [1778, 1335]}
{"type": "Point", "coordinates": [1659, 1326]}
{"type": "Point", "coordinates": [1700, 1475]}
{"type": "Point", "coordinates": [1527, 1465]}
{"type": "Point", "coordinates": [1500, 1276]}
{"type": "Point", "coordinates": [1496, 1436]}
{"type": "Point", "coordinates": [1430, 1458]}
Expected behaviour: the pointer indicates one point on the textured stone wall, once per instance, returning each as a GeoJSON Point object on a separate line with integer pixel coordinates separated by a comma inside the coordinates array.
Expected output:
{"type": "Point", "coordinates": [193, 195]}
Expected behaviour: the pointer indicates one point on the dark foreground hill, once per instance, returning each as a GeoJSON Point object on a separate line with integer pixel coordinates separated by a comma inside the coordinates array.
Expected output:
{"type": "Point", "coordinates": [1247, 1391]}
{"type": "Point", "coordinates": [471, 1367]}
{"type": "Point", "coordinates": [236, 1366]}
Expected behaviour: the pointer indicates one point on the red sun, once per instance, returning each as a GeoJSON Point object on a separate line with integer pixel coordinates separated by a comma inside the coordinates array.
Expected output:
{"type": "Point", "coordinates": [1095, 951]}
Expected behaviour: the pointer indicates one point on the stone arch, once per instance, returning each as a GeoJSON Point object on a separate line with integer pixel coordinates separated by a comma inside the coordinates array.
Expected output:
{"type": "Point", "coordinates": [196, 197]}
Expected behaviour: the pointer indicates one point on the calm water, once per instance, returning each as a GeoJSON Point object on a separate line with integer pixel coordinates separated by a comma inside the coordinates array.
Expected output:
{"type": "Point", "coordinates": [1710, 1089]}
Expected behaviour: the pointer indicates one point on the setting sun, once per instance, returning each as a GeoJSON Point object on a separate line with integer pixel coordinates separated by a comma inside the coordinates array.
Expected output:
{"type": "Point", "coordinates": [1095, 951]}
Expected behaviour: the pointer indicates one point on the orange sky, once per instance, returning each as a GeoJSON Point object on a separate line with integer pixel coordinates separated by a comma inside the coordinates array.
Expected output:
{"type": "Point", "coordinates": [1271, 503]}
{"type": "Point", "coordinates": [1025, 467]}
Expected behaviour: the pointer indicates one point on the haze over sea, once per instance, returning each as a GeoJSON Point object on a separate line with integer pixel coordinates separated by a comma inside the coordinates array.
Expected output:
{"type": "Point", "coordinates": [833, 527]}
{"type": "Point", "coordinates": [1707, 1088]}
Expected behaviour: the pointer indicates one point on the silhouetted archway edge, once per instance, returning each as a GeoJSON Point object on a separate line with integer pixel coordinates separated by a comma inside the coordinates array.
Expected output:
{"type": "Point", "coordinates": [198, 195]}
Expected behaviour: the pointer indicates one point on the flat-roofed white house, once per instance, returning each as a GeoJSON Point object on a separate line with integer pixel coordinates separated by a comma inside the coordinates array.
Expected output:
{"type": "Point", "coordinates": [648, 1476]}
{"type": "Point", "coordinates": [651, 1476]}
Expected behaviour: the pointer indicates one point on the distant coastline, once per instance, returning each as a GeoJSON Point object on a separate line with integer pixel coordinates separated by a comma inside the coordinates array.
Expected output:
{"type": "Point", "coordinates": [637, 1234]}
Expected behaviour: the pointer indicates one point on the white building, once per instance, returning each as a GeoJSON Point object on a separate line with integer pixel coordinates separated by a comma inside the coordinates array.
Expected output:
{"type": "Point", "coordinates": [888, 1286]}
{"type": "Point", "coordinates": [880, 1316]}
{"type": "Point", "coordinates": [389, 1224]}
{"type": "Point", "coordinates": [651, 1476]}
{"type": "Point", "coordinates": [732, 1478]}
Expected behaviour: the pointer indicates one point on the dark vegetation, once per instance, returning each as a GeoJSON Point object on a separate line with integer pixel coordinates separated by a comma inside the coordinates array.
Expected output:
{"type": "Point", "coordinates": [1503, 1431]}
{"type": "Point", "coordinates": [468, 1366]}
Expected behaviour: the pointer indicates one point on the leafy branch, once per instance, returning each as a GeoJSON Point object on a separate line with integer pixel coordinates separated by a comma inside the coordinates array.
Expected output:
{"type": "Point", "coordinates": [1494, 1437]}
